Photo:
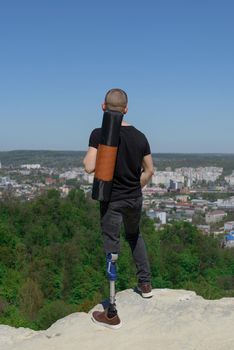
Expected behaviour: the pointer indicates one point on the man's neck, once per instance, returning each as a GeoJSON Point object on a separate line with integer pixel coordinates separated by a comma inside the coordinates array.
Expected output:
{"type": "Point", "coordinates": [124, 123]}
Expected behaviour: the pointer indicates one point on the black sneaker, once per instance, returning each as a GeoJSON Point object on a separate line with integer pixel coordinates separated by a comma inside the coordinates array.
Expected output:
{"type": "Point", "coordinates": [101, 318]}
{"type": "Point", "coordinates": [145, 289]}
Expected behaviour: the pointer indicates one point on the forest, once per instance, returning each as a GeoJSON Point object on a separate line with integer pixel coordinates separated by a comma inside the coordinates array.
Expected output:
{"type": "Point", "coordinates": [52, 261]}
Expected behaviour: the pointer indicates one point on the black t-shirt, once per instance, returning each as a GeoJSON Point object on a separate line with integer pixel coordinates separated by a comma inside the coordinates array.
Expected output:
{"type": "Point", "coordinates": [133, 146]}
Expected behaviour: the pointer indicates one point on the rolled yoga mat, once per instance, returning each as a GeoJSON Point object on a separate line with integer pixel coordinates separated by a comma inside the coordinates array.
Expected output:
{"type": "Point", "coordinates": [106, 156]}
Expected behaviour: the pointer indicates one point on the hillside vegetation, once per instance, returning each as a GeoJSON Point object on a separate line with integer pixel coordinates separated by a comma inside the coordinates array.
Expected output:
{"type": "Point", "coordinates": [52, 261]}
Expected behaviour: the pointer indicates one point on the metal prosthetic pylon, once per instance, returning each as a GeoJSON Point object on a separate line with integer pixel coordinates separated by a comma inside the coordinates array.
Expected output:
{"type": "Point", "coordinates": [112, 276]}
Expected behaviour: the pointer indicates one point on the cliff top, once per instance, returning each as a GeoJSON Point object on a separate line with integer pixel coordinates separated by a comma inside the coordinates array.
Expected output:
{"type": "Point", "coordinates": [171, 320]}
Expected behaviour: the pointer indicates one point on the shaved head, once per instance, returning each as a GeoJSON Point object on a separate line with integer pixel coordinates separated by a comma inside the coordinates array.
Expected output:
{"type": "Point", "coordinates": [116, 100]}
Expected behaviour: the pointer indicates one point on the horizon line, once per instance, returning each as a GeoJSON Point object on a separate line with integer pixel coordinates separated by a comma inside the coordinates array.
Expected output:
{"type": "Point", "coordinates": [61, 150]}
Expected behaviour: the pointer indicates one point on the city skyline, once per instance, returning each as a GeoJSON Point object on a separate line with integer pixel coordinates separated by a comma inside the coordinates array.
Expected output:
{"type": "Point", "coordinates": [175, 61]}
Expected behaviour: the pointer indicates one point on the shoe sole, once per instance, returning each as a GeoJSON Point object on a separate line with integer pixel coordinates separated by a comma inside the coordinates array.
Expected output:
{"type": "Point", "coordinates": [117, 326]}
{"type": "Point", "coordinates": [145, 295]}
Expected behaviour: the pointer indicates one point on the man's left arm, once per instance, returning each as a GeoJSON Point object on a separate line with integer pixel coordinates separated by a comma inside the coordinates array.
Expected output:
{"type": "Point", "coordinates": [148, 170]}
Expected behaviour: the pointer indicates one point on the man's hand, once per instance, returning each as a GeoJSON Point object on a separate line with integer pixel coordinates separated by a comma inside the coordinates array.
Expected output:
{"type": "Point", "coordinates": [90, 160]}
{"type": "Point", "coordinates": [148, 170]}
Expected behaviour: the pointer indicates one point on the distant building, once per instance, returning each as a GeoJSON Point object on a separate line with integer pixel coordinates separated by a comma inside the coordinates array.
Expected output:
{"type": "Point", "coordinates": [150, 191]}
{"type": "Point", "coordinates": [6, 182]}
{"type": "Point", "coordinates": [199, 202]}
{"type": "Point", "coordinates": [146, 203]}
{"type": "Point", "coordinates": [185, 209]}
{"type": "Point", "coordinates": [229, 240]}
{"type": "Point", "coordinates": [230, 179]}
{"type": "Point", "coordinates": [189, 183]}
{"type": "Point", "coordinates": [64, 190]}
{"type": "Point", "coordinates": [182, 198]}
{"type": "Point", "coordinates": [175, 185]}
{"type": "Point", "coordinates": [204, 228]}
{"type": "Point", "coordinates": [86, 188]}
{"type": "Point", "coordinates": [25, 172]}
{"type": "Point", "coordinates": [69, 175]}
{"type": "Point", "coordinates": [50, 181]}
{"type": "Point", "coordinates": [226, 203]}
{"type": "Point", "coordinates": [161, 215]}
{"type": "Point", "coordinates": [215, 216]}
{"type": "Point", "coordinates": [164, 177]}
{"type": "Point", "coordinates": [200, 174]}
{"type": "Point", "coordinates": [30, 166]}
{"type": "Point", "coordinates": [88, 178]}
{"type": "Point", "coordinates": [229, 226]}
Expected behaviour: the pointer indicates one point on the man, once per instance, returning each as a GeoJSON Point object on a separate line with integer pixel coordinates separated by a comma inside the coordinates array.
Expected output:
{"type": "Point", "coordinates": [126, 197]}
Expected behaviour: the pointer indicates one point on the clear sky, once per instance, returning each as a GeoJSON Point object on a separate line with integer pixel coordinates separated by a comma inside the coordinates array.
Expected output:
{"type": "Point", "coordinates": [174, 58]}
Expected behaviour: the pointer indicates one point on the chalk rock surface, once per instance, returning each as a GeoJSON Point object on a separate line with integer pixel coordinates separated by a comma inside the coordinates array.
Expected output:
{"type": "Point", "coordinates": [171, 320]}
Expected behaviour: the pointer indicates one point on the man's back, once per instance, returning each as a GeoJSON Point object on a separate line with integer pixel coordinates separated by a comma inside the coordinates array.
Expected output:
{"type": "Point", "coordinates": [133, 146]}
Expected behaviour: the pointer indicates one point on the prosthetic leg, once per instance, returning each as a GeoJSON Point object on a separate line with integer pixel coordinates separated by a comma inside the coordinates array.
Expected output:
{"type": "Point", "coordinates": [109, 317]}
{"type": "Point", "coordinates": [112, 276]}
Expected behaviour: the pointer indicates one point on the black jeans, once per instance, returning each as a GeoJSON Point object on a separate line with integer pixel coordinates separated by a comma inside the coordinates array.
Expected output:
{"type": "Point", "coordinates": [127, 211]}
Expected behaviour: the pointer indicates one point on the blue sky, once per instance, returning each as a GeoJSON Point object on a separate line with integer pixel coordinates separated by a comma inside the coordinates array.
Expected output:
{"type": "Point", "coordinates": [174, 58]}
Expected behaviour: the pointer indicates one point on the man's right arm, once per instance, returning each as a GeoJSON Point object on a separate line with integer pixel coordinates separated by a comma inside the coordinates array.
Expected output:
{"type": "Point", "coordinates": [90, 160]}
{"type": "Point", "coordinates": [148, 170]}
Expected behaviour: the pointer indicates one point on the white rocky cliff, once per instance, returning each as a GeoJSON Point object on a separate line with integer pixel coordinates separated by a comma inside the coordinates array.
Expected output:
{"type": "Point", "coordinates": [171, 320]}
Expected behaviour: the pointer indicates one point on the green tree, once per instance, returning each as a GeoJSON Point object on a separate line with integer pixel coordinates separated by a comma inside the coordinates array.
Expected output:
{"type": "Point", "coordinates": [30, 299]}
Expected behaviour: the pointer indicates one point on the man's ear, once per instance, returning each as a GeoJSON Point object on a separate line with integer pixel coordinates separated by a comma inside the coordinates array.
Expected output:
{"type": "Point", "coordinates": [104, 107]}
{"type": "Point", "coordinates": [125, 110]}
